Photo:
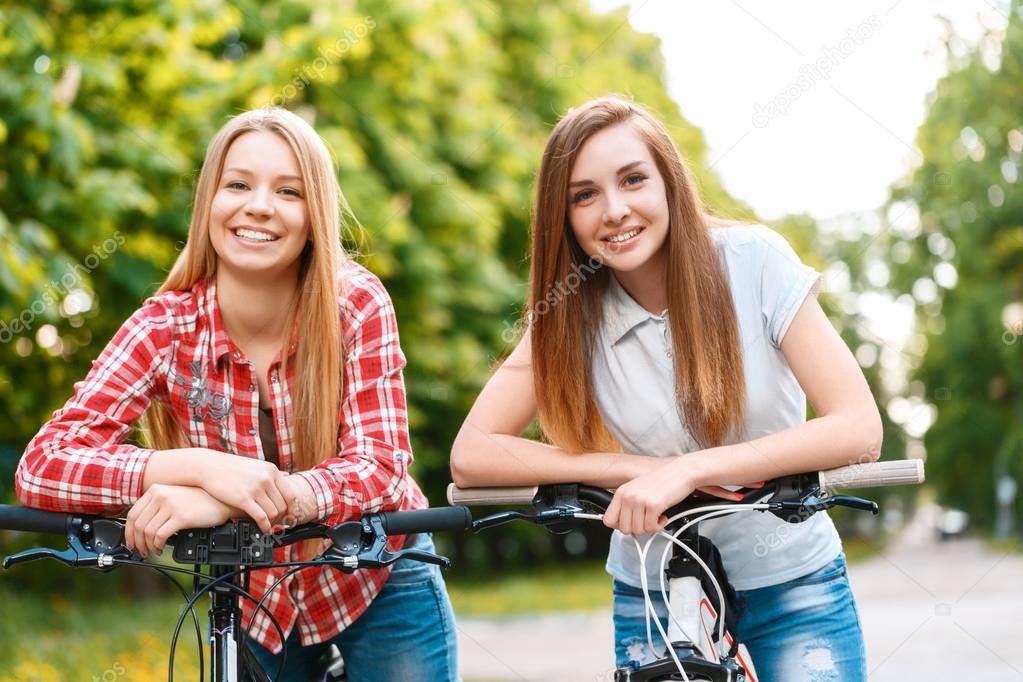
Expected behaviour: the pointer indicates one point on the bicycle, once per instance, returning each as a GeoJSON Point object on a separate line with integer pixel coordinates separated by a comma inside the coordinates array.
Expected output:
{"type": "Point", "coordinates": [230, 552]}
{"type": "Point", "coordinates": [699, 645]}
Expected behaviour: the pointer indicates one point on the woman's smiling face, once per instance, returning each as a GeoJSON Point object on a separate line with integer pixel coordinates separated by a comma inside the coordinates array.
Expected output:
{"type": "Point", "coordinates": [259, 219]}
{"type": "Point", "coordinates": [618, 208]}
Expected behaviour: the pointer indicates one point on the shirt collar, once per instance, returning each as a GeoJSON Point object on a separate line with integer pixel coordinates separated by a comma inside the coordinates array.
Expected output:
{"type": "Point", "coordinates": [622, 313]}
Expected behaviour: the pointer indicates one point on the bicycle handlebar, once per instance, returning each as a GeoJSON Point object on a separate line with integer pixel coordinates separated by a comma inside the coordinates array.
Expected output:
{"type": "Point", "coordinates": [13, 517]}
{"type": "Point", "coordinates": [97, 541]}
{"type": "Point", "coordinates": [436, 519]}
{"type": "Point", "coordinates": [867, 475]}
{"type": "Point", "coordinates": [873, 475]}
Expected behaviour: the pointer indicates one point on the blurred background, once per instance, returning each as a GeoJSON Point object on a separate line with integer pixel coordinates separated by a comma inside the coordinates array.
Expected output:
{"type": "Point", "coordinates": [884, 140]}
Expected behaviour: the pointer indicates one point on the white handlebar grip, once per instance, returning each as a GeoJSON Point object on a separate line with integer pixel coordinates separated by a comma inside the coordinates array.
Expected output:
{"type": "Point", "coordinates": [873, 475]}
{"type": "Point", "coordinates": [491, 496]}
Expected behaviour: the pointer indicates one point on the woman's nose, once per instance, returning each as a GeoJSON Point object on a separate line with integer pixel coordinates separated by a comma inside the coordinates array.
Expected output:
{"type": "Point", "coordinates": [616, 210]}
{"type": "Point", "coordinates": [259, 204]}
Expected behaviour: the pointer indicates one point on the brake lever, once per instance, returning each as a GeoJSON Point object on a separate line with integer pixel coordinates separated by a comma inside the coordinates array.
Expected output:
{"type": "Point", "coordinates": [104, 534]}
{"type": "Point", "coordinates": [854, 503]}
{"type": "Point", "coordinates": [388, 558]}
{"type": "Point", "coordinates": [809, 505]}
{"type": "Point", "coordinates": [68, 556]}
{"type": "Point", "coordinates": [350, 551]}
{"type": "Point", "coordinates": [546, 517]}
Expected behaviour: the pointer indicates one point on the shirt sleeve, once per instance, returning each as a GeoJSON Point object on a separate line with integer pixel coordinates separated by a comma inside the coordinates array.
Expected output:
{"type": "Point", "coordinates": [369, 473]}
{"type": "Point", "coordinates": [785, 282]}
{"type": "Point", "coordinates": [79, 461]}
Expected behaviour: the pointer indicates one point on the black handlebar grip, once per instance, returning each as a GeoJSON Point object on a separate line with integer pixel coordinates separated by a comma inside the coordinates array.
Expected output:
{"type": "Point", "coordinates": [13, 517]}
{"type": "Point", "coordinates": [426, 520]}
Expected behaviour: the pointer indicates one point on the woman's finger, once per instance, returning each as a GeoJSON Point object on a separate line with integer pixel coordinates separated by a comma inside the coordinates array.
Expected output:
{"type": "Point", "coordinates": [129, 523]}
{"type": "Point", "coordinates": [143, 517]}
{"type": "Point", "coordinates": [611, 513]}
{"type": "Point", "coordinates": [152, 527]}
{"type": "Point", "coordinates": [256, 512]}
{"type": "Point", "coordinates": [651, 520]}
{"type": "Point", "coordinates": [277, 493]}
{"type": "Point", "coordinates": [273, 509]}
{"type": "Point", "coordinates": [718, 491]}
{"type": "Point", "coordinates": [627, 519]}
{"type": "Point", "coordinates": [162, 534]}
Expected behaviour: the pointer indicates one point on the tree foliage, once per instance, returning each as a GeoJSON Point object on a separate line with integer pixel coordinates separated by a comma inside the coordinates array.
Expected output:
{"type": "Point", "coordinates": [955, 242]}
{"type": "Point", "coordinates": [437, 111]}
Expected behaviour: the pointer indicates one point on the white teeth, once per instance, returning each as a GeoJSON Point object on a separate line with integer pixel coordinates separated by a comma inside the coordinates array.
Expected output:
{"type": "Point", "coordinates": [252, 235]}
{"type": "Point", "coordinates": [625, 236]}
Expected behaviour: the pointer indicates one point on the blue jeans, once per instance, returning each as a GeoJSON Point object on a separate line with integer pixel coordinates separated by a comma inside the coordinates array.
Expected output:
{"type": "Point", "coordinates": [804, 630]}
{"type": "Point", "coordinates": [407, 634]}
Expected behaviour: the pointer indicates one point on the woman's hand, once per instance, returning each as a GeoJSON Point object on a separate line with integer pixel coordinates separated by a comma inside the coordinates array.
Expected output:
{"type": "Point", "coordinates": [638, 506]}
{"type": "Point", "coordinates": [257, 488]}
{"type": "Point", "coordinates": [304, 509]}
{"type": "Point", "coordinates": [165, 509]}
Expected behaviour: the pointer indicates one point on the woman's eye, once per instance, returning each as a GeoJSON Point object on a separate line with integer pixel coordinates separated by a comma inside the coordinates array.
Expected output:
{"type": "Point", "coordinates": [236, 185]}
{"type": "Point", "coordinates": [582, 196]}
{"type": "Point", "coordinates": [292, 192]}
{"type": "Point", "coordinates": [635, 179]}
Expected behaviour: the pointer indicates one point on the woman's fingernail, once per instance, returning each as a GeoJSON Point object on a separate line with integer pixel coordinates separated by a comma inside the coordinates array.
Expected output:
{"type": "Point", "coordinates": [737, 496]}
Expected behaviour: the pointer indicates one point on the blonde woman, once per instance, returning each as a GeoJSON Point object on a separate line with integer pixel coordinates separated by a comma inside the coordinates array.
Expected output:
{"type": "Point", "coordinates": [667, 351]}
{"type": "Point", "coordinates": [268, 375]}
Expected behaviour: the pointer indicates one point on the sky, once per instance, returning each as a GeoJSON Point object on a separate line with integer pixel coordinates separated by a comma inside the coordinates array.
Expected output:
{"type": "Point", "coordinates": [808, 106]}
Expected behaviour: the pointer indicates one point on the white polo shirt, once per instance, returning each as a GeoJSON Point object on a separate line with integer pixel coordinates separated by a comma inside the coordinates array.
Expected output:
{"type": "Point", "coordinates": [634, 383]}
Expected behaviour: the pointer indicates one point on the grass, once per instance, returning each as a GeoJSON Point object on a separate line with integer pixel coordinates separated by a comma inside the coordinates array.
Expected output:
{"type": "Point", "coordinates": [1010, 545]}
{"type": "Point", "coordinates": [556, 588]}
{"type": "Point", "coordinates": [861, 548]}
{"type": "Point", "coordinates": [47, 638]}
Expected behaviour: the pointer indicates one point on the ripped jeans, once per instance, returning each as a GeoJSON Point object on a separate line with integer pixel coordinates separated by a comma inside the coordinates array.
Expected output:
{"type": "Point", "coordinates": [804, 630]}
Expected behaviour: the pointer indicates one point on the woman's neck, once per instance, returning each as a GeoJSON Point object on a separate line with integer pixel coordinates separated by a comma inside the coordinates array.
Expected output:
{"type": "Point", "coordinates": [254, 310]}
{"type": "Point", "coordinates": [647, 285]}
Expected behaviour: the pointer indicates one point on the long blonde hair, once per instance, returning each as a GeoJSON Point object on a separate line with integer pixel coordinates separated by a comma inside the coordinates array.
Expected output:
{"type": "Point", "coordinates": [710, 386]}
{"type": "Point", "coordinates": [318, 369]}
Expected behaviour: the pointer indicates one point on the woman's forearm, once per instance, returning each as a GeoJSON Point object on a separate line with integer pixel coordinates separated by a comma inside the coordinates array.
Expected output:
{"type": "Point", "coordinates": [182, 466]}
{"type": "Point", "coordinates": [482, 459]}
{"type": "Point", "coordinates": [823, 443]}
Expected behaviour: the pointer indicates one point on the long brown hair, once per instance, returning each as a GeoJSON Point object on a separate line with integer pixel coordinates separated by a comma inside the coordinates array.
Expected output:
{"type": "Point", "coordinates": [316, 391]}
{"type": "Point", "coordinates": [710, 386]}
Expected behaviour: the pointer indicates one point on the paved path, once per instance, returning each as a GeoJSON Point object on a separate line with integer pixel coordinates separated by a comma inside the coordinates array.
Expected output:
{"type": "Point", "coordinates": [949, 612]}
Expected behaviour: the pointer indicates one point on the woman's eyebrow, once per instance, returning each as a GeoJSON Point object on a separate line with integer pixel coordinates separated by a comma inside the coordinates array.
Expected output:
{"type": "Point", "coordinates": [245, 171]}
{"type": "Point", "coordinates": [626, 167]}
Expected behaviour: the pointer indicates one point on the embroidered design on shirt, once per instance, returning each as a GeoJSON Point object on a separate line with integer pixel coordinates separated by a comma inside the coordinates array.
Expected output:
{"type": "Point", "coordinates": [207, 405]}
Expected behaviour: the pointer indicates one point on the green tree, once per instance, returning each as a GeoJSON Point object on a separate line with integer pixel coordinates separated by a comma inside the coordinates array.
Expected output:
{"type": "Point", "coordinates": [958, 250]}
{"type": "Point", "coordinates": [437, 112]}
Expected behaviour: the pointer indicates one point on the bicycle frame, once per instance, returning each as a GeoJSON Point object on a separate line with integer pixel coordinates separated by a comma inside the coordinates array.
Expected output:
{"type": "Point", "coordinates": [231, 660]}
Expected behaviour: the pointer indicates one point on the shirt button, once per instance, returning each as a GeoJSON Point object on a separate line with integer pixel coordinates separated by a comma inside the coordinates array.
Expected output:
{"type": "Point", "coordinates": [237, 355]}
{"type": "Point", "coordinates": [273, 377]}
{"type": "Point", "coordinates": [252, 432]}
{"type": "Point", "coordinates": [252, 388]}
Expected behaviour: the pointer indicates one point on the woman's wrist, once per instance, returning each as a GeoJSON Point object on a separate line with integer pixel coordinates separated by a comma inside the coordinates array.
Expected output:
{"type": "Point", "coordinates": [690, 468]}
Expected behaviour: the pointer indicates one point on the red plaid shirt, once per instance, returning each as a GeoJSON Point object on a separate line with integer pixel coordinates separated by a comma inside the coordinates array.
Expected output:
{"type": "Point", "coordinates": [175, 349]}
